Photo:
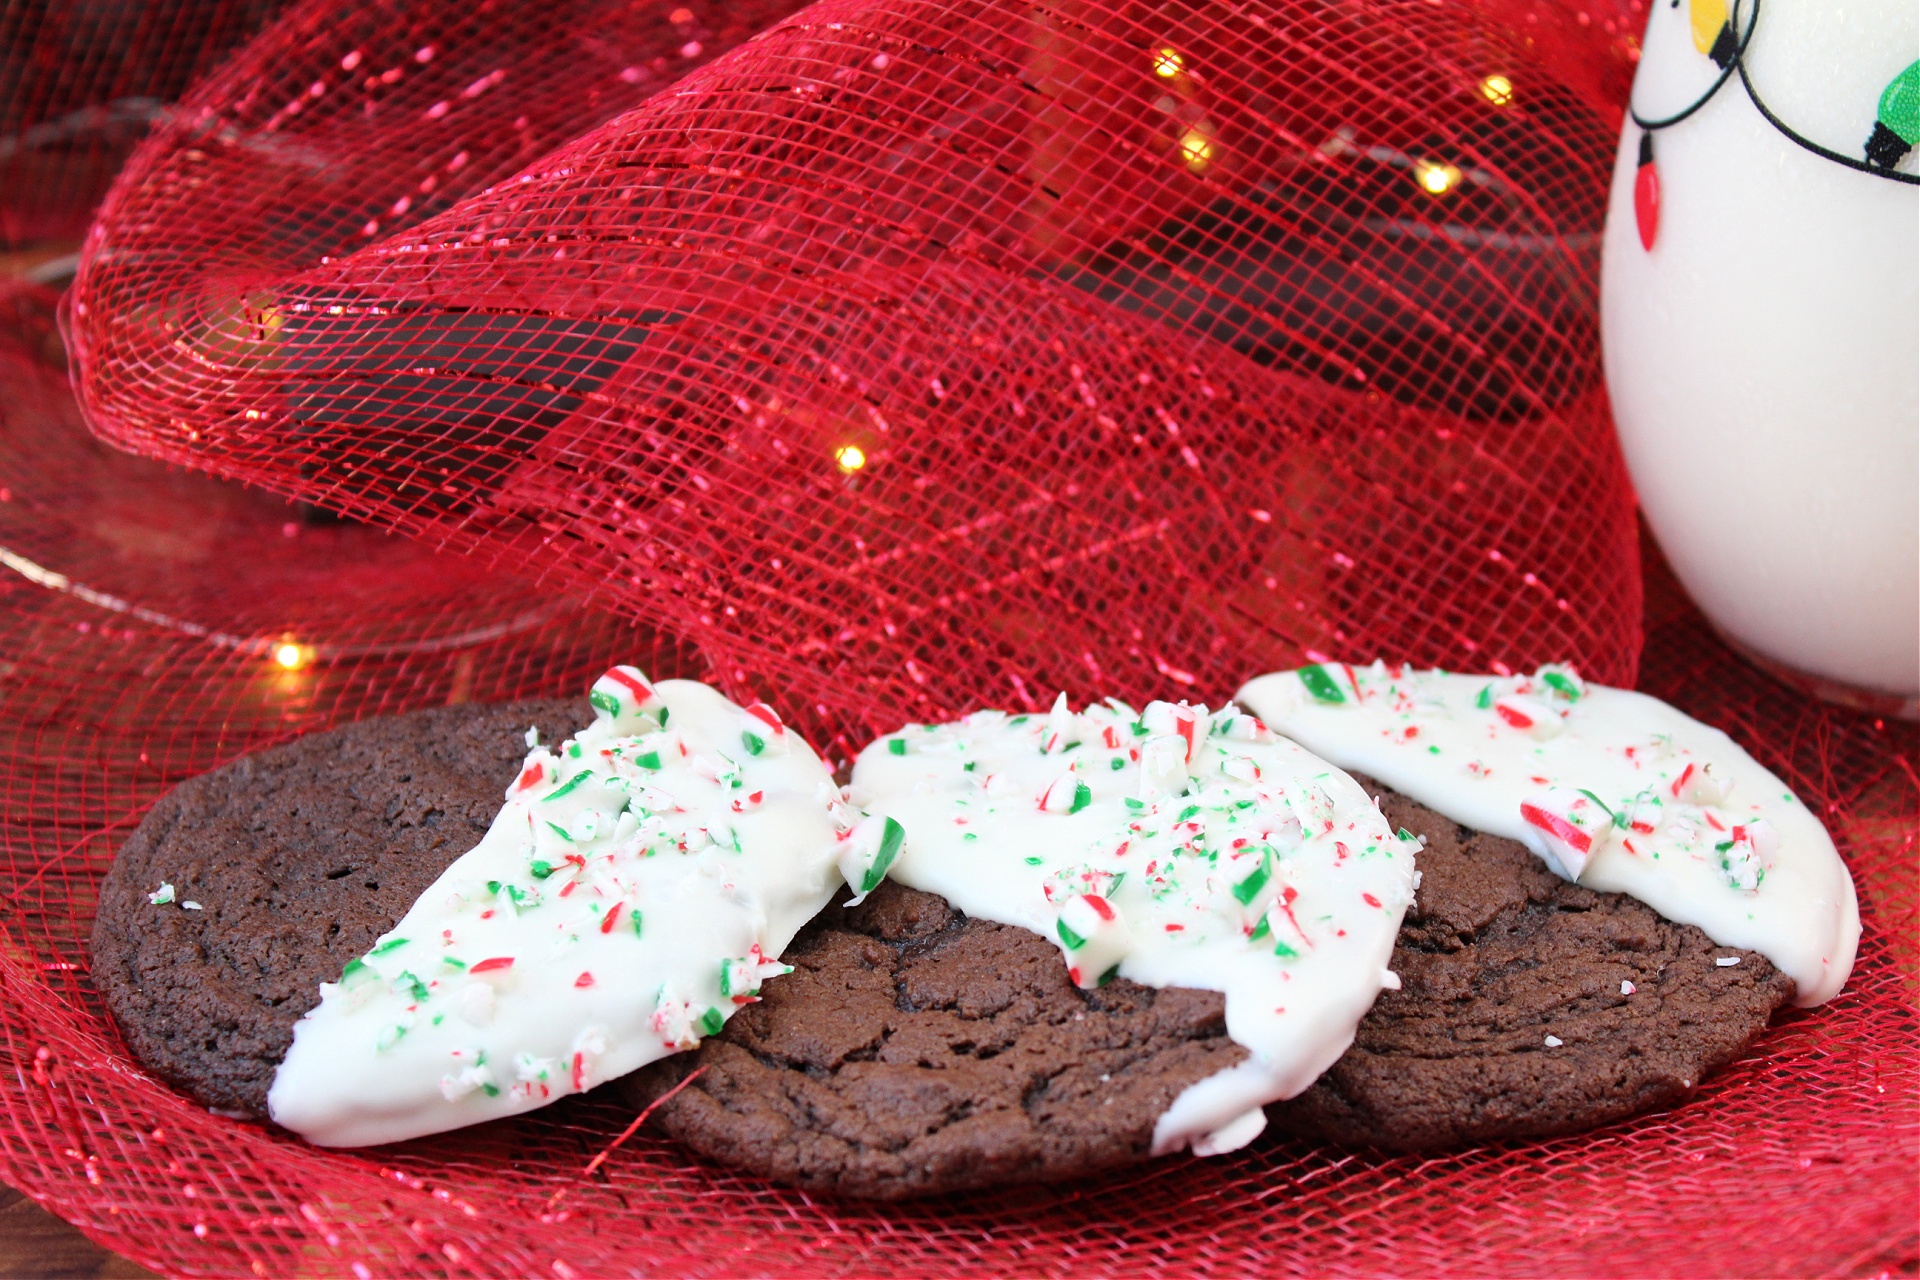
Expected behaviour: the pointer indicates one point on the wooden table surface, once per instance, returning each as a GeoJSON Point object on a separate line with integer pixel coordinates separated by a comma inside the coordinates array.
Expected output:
{"type": "Point", "coordinates": [35, 1245]}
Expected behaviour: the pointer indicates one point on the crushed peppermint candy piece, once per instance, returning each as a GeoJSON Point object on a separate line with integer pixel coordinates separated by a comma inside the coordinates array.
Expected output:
{"type": "Point", "coordinates": [1241, 769]}
{"type": "Point", "coordinates": [1081, 878]}
{"type": "Point", "coordinates": [1163, 768]}
{"type": "Point", "coordinates": [1726, 962]}
{"type": "Point", "coordinates": [741, 976]}
{"type": "Point", "coordinates": [1246, 876]}
{"type": "Point", "coordinates": [1700, 783]}
{"type": "Point", "coordinates": [1554, 1042]}
{"type": "Point", "coordinates": [1627, 988]}
{"type": "Point", "coordinates": [1747, 852]}
{"type": "Point", "coordinates": [1066, 794]}
{"type": "Point", "coordinates": [1094, 938]}
{"type": "Point", "coordinates": [1241, 727]}
{"type": "Point", "coordinates": [1572, 824]}
{"type": "Point", "coordinates": [162, 896]}
{"type": "Point", "coordinates": [768, 735]}
{"type": "Point", "coordinates": [628, 701]}
{"type": "Point", "coordinates": [1188, 723]}
{"type": "Point", "coordinates": [1562, 682]}
{"type": "Point", "coordinates": [1281, 927]}
{"type": "Point", "coordinates": [458, 1085]}
{"type": "Point", "coordinates": [1529, 715]}
{"type": "Point", "coordinates": [680, 1024]}
{"type": "Point", "coordinates": [1059, 734]}
{"type": "Point", "coordinates": [868, 853]}
{"type": "Point", "coordinates": [1310, 804]}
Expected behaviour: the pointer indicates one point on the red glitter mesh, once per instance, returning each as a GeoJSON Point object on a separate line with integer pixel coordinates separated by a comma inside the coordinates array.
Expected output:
{"type": "Point", "coordinates": [1177, 342]}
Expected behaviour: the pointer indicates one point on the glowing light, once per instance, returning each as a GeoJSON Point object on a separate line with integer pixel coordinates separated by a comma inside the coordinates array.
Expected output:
{"type": "Point", "coordinates": [1168, 64]}
{"type": "Point", "coordinates": [1437, 179]}
{"type": "Point", "coordinates": [291, 657]}
{"type": "Point", "coordinates": [851, 457]}
{"type": "Point", "coordinates": [1197, 149]}
{"type": "Point", "coordinates": [1497, 89]}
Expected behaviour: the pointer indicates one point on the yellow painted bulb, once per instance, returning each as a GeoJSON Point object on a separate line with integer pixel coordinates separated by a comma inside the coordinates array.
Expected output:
{"type": "Point", "coordinates": [1707, 18]}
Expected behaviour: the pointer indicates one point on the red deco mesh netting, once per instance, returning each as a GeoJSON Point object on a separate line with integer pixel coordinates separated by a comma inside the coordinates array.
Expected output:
{"type": "Point", "coordinates": [880, 360]}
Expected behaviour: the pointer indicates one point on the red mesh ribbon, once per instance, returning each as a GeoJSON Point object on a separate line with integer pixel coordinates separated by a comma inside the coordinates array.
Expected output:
{"type": "Point", "coordinates": [1163, 359]}
{"type": "Point", "coordinates": [1172, 344]}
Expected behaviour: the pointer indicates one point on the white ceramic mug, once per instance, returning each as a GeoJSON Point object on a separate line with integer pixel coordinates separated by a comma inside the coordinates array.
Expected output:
{"type": "Point", "coordinates": [1763, 356]}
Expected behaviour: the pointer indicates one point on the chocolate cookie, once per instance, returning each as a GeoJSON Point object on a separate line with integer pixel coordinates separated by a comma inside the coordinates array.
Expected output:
{"type": "Point", "coordinates": [284, 865]}
{"type": "Point", "coordinates": [1529, 1006]}
{"type": "Point", "coordinates": [916, 1051]}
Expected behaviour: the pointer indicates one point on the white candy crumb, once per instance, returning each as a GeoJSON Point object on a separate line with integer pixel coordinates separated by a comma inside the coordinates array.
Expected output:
{"type": "Point", "coordinates": [1554, 1042]}
{"type": "Point", "coordinates": [190, 906]}
{"type": "Point", "coordinates": [162, 896]}
{"type": "Point", "coordinates": [1726, 961]}
{"type": "Point", "coordinates": [533, 736]}
{"type": "Point", "coordinates": [1627, 988]}
{"type": "Point", "coordinates": [1389, 980]}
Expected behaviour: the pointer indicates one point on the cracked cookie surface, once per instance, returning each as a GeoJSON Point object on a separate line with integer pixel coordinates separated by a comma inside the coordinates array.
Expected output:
{"type": "Point", "coordinates": [1496, 955]}
{"type": "Point", "coordinates": [299, 856]}
{"type": "Point", "coordinates": [915, 1050]}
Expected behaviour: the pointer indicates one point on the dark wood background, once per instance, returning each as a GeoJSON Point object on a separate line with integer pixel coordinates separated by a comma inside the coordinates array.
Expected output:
{"type": "Point", "coordinates": [35, 1245]}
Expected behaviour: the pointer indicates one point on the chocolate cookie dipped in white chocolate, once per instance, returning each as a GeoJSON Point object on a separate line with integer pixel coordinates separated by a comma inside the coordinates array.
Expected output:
{"type": "Point", "coordinates": [1611, 788]}
{"type": "Point", "coordinates": [1174, 847]}
{"type": "Point", "coordinates": [631, 895]}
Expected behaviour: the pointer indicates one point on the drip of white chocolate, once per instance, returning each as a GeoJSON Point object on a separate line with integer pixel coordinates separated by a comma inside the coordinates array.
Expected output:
{"type": "Point", "coordinates": [632, 893]}
{"type": "Point", "coordinates": [1175, 848]}
{"type": "Point", "coordinates": [1612, 788]}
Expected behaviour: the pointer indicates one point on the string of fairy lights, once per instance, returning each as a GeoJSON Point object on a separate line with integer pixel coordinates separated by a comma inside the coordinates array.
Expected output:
{"type": "Point", "coordinates": [1718, 34]}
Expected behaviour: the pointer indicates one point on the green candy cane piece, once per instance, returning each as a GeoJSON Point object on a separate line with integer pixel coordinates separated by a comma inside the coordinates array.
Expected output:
{"type": "Point", "coordinates": [1321, 685]}
{"type": "Point", "coordinates": [1256, 880]}
{"type": "Point", "coordinates": [891, 838]}
{"type": "Point", "coordinates": [1561, 685]}
{"type": "Point", "coordinates": [568, 786]}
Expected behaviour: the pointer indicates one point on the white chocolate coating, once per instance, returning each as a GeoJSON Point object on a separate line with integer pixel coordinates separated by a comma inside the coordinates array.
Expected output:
{"type": "Point", "coordinates": [1230, 858]}
{"type": "Point", "coordinates": [723, 847]}
{"type": "Point", "coordinates": [1688, 823]}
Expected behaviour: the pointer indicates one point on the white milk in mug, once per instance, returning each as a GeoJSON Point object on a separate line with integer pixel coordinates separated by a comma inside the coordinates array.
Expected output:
{"type": "Point", "coordinates": [1761, 320]}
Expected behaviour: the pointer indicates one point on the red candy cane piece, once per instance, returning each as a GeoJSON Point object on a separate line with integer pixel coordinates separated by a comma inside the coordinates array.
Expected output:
{"type": "Point", "coordinates": [632, 681]}
{"type": "Point", "coordinates": [1554, 825]}
{"type": "Point", "coordinates": [1185, 723]}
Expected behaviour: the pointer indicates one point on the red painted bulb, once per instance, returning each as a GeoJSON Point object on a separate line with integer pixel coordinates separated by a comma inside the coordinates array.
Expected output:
{"type": "Point", "coordinates": [1646, 195]}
